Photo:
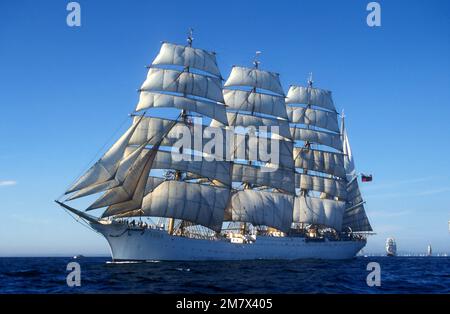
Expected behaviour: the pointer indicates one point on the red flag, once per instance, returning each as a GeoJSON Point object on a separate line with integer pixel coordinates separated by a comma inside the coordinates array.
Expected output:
{"type": "Point", "coordinates": [366, 178]}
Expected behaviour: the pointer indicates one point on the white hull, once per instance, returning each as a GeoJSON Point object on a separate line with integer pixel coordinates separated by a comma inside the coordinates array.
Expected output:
{"type": "Point", "coordinates": [151, 244]}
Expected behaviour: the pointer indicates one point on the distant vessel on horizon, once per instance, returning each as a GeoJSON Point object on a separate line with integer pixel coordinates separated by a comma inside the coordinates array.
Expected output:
{"type": "Point", "coordinates": [391, 247]}
{"type": "Point", "coordinates": [429, 250]}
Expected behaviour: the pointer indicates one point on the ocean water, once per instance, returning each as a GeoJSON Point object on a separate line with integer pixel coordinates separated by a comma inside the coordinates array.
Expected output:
{"type": "Point", "coordinates": [99, 275]}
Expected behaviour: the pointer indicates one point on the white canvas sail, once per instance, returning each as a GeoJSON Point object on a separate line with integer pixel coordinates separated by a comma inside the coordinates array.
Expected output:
{"type": "Point", "coordinates": [246, 120]}
{"type": "Point", "coordinates": [213, 110]}
{"type": "Point", "coordinates": [310, 96]}
{"type": "Point", "coordinates": [172, 54]}
{"type": "Point", "coordinates": [151, 129]}
{"type": "Point", "coordinates": [105, 168]}
{"type": "Point", "coordinates": [313, 117]}
{"type": "Point", "coordinates": [134, 181]}
{"type": "Point", "coordinates": [250, 101]}
{"type": "Point", "coordinates": [355, 217]}
{"type": "Point", "coordinates": [242, 148]}
{"type": "Point", "coordinates": [318, 211]}
{"type": "Point", "coordinates": [200, 204]}
{"type": "Point", "coordinates": [262, 208]}
{"type": "Point", "coordinates": [214, 170]}
{"type": "Point", "coordinates": [120, 175]}
{"type": "Point", "coordinates": [330, 186]}
{"type": "Point", "coordinates": [329, 139]}
{"type": "Point", "coordinates": [322, 161]}
{"type": "Point", "coordinates": [242, 76]}
{"type": "Point", "coordinates": [349, 163]}
{"type": "Point", "coordinates": [152, 183]}
{"type": "Point", "coordinates": [184, 83]}
{"type": "Point", "coordinates": [262, 176]}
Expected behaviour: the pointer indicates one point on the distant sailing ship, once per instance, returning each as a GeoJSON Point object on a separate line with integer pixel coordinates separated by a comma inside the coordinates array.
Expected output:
{"type": "Point", "coordinates": [429, 250]}
{"type": "Point", "coordinates": [391, 247]}
{"type": "Point", "coordinates": [308, 206]}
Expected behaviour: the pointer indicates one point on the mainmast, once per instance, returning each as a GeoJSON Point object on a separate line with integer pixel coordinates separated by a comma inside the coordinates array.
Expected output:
{"type": "Point", "coordinates": [185, 120]}
{"type": "Point", "coordinates": [255, 100]}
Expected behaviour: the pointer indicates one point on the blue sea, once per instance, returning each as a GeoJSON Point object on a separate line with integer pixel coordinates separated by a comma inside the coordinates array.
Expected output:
{"type": "Point", "coordinates": [100, 275]}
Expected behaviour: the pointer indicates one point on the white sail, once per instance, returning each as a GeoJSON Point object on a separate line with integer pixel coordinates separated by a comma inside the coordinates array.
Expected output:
{"type": "Point", "coordinates": [172, 54]}
{"type": "Point", "coordinates": [356, 219]}
{"type": "Point", "coordinates": [200, 204]}
{"type": "Point", "coordinates": [261, 208]}
{"type": "Point", "coordinates": [105, 168]}
{"type": "Point", "coordinates": [349, 164]}
{"type": "Point", "coordinates": [355, 216]}
{"type": "Point", "coordinates": [138, 173]}
{"type": "Point", "coordinates": [310, 96]}
{"type": "Point", "coordinates": [134, 201]}
{"type": "Point", "coordinates": [246, 120]}
{"type": "Point", "coordinates": [242, 76]}
{"type": "Point", "coordinates": [322, 161]}
{"type": "Point", "coordinates": [185, 83]}
{"type": "Point", "coordinates": [150, 130]}
{"type": "Point", "coordinates": [250, 101]}
{"type": "Point", "coordinates": [280, 178]}
{"type": "Point", "coordinates": [121, 173]}
{"type": "Point", "coordinates": [93, 189]}
{"type": "Point", "coordinates": [329, 186]}
{"type": "Point", "coordinates": [329, 139]}
{"type": "Point", "coordinates": [152, 183]}
{"type": "Point", "coordinates": [312, 210]}
{"type": "Point", "coordinates": [285, 151]}
{"type": "Point", "coordinates": [353, 193]}
{"type": "Point", "coordinates": [214, 170]}
{"type": "Point", "coordinates": [313, 117]}
{"type": "Point", "coordinates": [210, 109]}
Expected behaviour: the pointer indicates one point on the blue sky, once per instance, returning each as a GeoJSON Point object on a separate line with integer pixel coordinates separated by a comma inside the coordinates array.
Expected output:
{"type": "Point", "coordinates": [65, 92]}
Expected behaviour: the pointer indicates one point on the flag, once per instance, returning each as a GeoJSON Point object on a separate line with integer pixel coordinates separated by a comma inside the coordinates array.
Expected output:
{"type": "Point", "coordinates": [366, 178]}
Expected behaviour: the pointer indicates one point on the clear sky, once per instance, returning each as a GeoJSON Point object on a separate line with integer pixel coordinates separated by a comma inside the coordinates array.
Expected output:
{"type": "Point", "coordinates": [65, 92]}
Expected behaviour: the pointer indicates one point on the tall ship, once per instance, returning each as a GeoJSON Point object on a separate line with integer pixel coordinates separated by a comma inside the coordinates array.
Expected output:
{"type": "Point", "coordinates": [234, 170]}
{"type": "Point", "coordinates": [429, 250]}
{"type": "Point", "coordinates": [391, 247]}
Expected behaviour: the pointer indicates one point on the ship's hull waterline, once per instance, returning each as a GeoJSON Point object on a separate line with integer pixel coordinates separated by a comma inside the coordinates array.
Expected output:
{"type": "Point", "coordinates": [157, 245]}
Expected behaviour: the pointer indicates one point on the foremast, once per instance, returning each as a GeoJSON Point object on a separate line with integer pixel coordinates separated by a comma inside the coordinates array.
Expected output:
{"type": "Point", "coordinates": [130, 176]}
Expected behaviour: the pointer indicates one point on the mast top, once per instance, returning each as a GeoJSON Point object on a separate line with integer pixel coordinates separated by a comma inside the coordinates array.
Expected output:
{"type": "Point", "coordinates": [310, 79]}
{"type": "Point", "coordinates": [256, 62]}
{"type": "Point", "coordinates": [190, 38]}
